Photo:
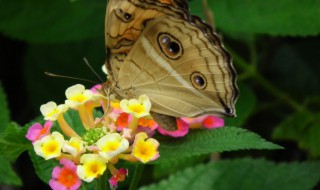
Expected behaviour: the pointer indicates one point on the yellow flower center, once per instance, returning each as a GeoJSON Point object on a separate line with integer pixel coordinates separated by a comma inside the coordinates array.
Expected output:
{"type": "Point", "coordinates": [53, 112]}
{"type": "Point", "coordinates": [111, 146]}
{"type": "Point", "coordinates": [137, 108]}
{"type": "Point", "coordinates": [145, 151]}
{"type": "Point", "coordinates": [93, 169]}
{"type": "Point", "coordinates": [51, 147]}
{"type": "Point", "coordinates": [75, 145]}
{"type": "Point", "coordinates": [78, 98]}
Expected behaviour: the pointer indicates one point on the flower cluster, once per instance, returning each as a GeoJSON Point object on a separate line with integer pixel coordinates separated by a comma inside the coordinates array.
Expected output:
{"type": "Point", "coordinates": [122, 132]}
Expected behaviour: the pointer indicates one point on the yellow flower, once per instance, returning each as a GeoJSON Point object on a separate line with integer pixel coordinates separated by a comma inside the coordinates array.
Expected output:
{"type": "Point", "coordinates": [77, 95]}
{"type": "Point", "coordinates": [138, 108]}
{"type": "Point", "coordinates": [93, 165]}
{"type": "Point", "coordinates": [51, 111]}
{"type": "Point", "coordinates": [111, 145]}
{"type": "Point", "coordinates": [49, 146]}
{"type": "Point", "coordinates": [74, 146]}
{"type": "Point", "coordinates": [145, 150]}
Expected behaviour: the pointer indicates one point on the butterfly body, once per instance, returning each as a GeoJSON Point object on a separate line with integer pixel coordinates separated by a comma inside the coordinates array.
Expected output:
{"type": "Point", "coordinates": [173, 58]}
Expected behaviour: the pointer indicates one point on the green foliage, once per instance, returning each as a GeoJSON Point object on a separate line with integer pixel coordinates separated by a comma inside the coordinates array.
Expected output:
{"type": "Point", "coordinates": [243, 174]}
{"type": "Point", "coordinates": [302, 127]}
{"type": "Point", "coordinates": [275, 74]}
{"type": "Point", "coordinates": [4, 111]}
{"type": "Point", "coordinates": [42, 167]}
{"type": "Point", "coordinates": [52, 21]}
{"type": "Point", "coordinates": [209, 141]}
{"type": "Point", "coordinates": [13, 141]}
{"type": "Point", "coordinates": [167, 168]}
{"type": "Point", "coordinates": [287, 17]}
{"type": "Point", "coordinates": [245, 106]}
{"type": "Point", "coordinates": [7, 174]}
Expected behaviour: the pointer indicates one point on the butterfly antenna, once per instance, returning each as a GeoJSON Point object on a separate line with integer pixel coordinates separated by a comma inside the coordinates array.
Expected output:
{"type": "Point", "coordinates": [69, 77]}
{"type": "Point", "coordinates": [90, 67]}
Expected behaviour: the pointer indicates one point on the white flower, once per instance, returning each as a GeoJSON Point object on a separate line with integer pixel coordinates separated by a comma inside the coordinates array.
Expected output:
{"type": "Point", "coordinates": [111, 145]}
{"type": "Point", "coordinates": [51, 111]}
{"type": "Point", "coordinates": [77, 95]}
{"type": "Point", "coordinates": [49, 146]}
{"type": "Point", "coordinates": [138, 108]}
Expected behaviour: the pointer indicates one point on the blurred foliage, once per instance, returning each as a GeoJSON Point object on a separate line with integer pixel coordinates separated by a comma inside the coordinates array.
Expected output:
{"type": "Point", "coordinates": [274, 45]}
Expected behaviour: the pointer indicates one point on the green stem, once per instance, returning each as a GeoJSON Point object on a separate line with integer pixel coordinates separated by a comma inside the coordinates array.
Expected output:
{"type": "Point", "coordinates": [103, 182]}
{"type": "Point", "coordinates": [136, 176]}
{"type": "Point", "coordinates": [253, 73]}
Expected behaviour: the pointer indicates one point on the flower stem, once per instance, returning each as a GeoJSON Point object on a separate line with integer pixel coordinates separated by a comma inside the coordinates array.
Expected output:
{"type": "Point", "coordinates": [66, 129]}
{"type": "Point", "coordinates": [136, 176]}
{"type": "Point", "coordinates": [103, 182]}
{"type": "Point", "coordinates": [86, 116]}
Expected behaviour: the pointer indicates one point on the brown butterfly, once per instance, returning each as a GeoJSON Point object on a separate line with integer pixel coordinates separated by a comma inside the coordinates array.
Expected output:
{"type": "Point", "coordinates": [156, 48]}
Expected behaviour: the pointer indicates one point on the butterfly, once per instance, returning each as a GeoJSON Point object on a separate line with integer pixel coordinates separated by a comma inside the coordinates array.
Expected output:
{"type": "Point", "coordinates": [157, 48]}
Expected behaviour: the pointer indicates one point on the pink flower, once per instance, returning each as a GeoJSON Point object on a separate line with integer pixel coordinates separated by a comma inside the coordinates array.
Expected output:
{"type": "Point", "coordinates": [65, 178]}
{"type": "Point", "coordinates": [211, 122]}
{"type": "Point", "coordinates": [183, 129]}
{"type": "Point", "coordinates": [118, 175]}
{"type": "Point", "coordinates": [123, 121]}
{"type": "Point", "coordinates": [36, 131]}
{"type": "Point", "coordinates": [206, 121]}
{"type": "Point", "coordinates": [95, 89]}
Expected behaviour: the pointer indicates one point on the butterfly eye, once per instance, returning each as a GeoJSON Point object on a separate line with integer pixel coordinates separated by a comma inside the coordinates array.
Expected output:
{"type": "Point", "coordinates": [170, 46]}
{"type": "Point", "coordinates": [198, 80]}
{"type": "Point", "coordinates": [124, 16]}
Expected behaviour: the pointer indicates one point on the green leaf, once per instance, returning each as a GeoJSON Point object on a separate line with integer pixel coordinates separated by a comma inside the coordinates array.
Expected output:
{"type": "Point", "coordinates": [166, 168]}
{"type": "Point", "coordinates": [7, 175]}
{"type": "Point", "coordinates": [52, 21]}
{"type": "Point", "coordinates": [42, 167]}
{"type": "Point", "coordinates": [244, 106]}
{"type": "Point", "coordinates": [73, 119]}
{"type": "Point", "coordinates": [13, 141]}
{"type": "Point", "coordinates": [4, 110]}
{"type": "Point", "coordinates": [286, 17]}
{"type": "Point", "coordinates": [302, 127]}
{"type": "Point", "coordinates": [246, 174]}
{"type": "Point", "coordinates": [200, 142]}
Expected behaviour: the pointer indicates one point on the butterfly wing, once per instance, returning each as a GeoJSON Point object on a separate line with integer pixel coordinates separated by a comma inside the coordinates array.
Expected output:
{"type": "Point", "coordinates": [183, 70]}
{"type": "Point", "coordinates": [125, 20]}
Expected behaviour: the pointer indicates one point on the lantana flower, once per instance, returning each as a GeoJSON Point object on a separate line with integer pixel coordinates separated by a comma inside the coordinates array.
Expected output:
{"type": "Point", "coordinates": [182, 129]}
{"type": "Point", "coordinates": [145, 149]}
{"type": "Point", "coordinates": [49, 146]}
{"type": "Point", "coordinates": [65, 178]}
{"type": "Point", "coordinates": [77, 95]}
{"type": "Point", "coordinates": [117, 176]}
{"type": "Point", "coordinates": [206, 121]}
{"type": "Point", "coordinates": [36, 131]}
{"type": "Point", "coordinates": [82, 100]}
{"type": "Point", "coordinates": [138, 108]}
{"type": "Point", "coordinates": [111, 145]}
{"type": "Point", "coordinates": [93, 166]}
{"type": "Point", "coordinates": [123, 121]}
{"type": "Point", "coordinates": [51, 111]}
{"type": "Point", "coordinates": [75, 146]}
{"type": "Point", "coordinates": [211, 122]}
